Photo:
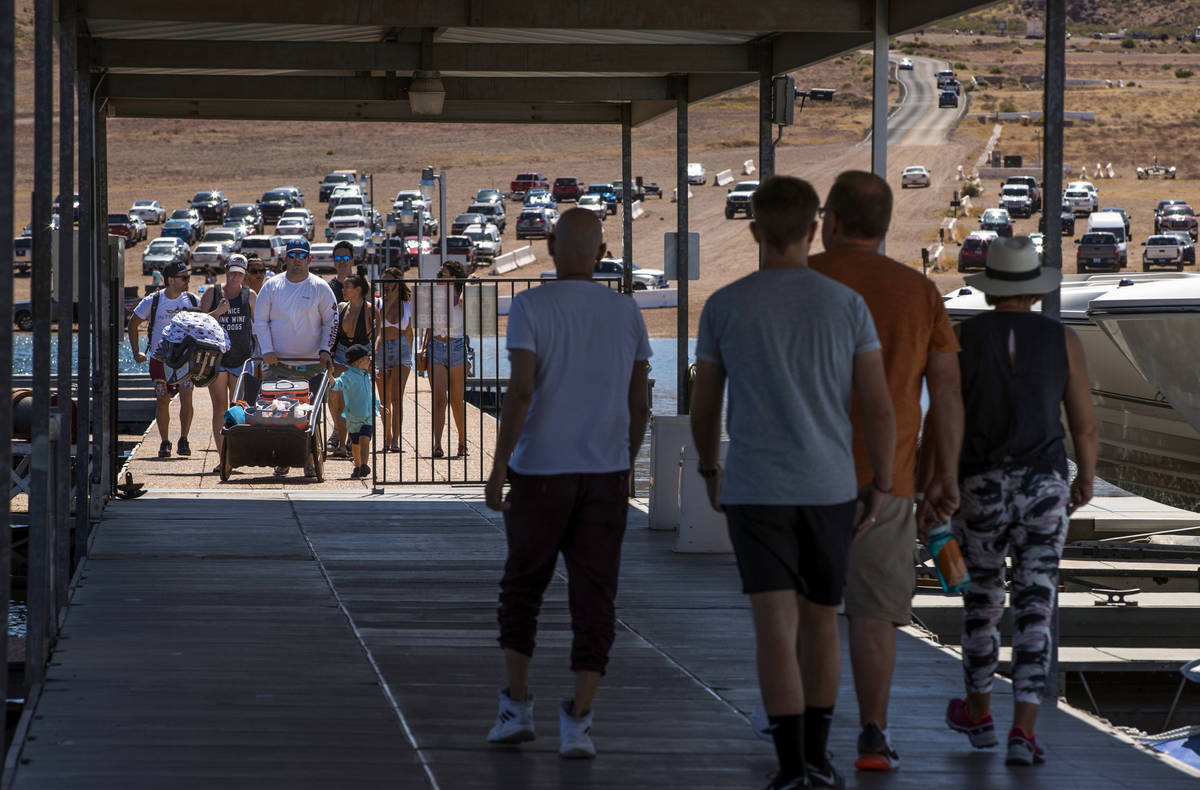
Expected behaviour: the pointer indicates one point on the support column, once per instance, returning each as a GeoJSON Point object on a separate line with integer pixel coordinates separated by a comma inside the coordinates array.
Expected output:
{"type": "Point", "coordinates": [766, 145]}
{"type": "Point", "coordinates": [1052, 173]}
{"type": "Point", "coordinates": [681, 250]}
{"type": "Point", "coordinates": [39, 580]}
{"type": "Point", "coordinates": [879, 96]}
{"type": "Point", "coordinates": [87, 256]}
{"type": "Point", "coordinates": [627, 197]}
{"type": "Point", "coordinates": [107, 340]}
{"type": "Point", "coordinates": [7, 118]}
{"type": "Point", "coordinates": [66, 298]}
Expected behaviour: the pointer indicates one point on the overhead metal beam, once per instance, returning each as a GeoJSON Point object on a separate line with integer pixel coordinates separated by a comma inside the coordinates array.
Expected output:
{"type": "Point", "coordinates": [314, 110]}
{"type": "Point", "coordinates": [791, 51]}
{"type": "Point", "coordinates": [366, 89]}
{"type": "Point", "coordinates": [389, 56]}
{"type": "Point", "coordinates": [699, 15]}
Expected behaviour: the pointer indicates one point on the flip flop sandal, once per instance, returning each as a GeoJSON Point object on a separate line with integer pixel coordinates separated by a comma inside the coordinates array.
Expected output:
{"type": "Point", "coordinates": [437, 453]}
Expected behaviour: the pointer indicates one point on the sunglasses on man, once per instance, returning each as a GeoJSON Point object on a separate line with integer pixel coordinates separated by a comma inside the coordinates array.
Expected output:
{"type": "Point", "coordinates": [257, 271]}
{"type": "Point", "coordinates": [339, 258]}
{"type": "Point", "coordinates": [297, 254]}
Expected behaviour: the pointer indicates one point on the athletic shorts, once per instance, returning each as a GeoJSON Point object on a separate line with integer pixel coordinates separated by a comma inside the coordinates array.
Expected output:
{"type": "Point", "coordinates": [881, 576]}
{"type": "Point", "coordinates": [158, 374]}
{"type": "Point", "coordinates": [793, 547]}
{"type": "Point", "coordinates": [360, 431]}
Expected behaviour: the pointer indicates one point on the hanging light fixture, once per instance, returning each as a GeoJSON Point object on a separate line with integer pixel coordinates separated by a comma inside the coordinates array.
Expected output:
{"type": "Point", "coordinates": [426, 93]}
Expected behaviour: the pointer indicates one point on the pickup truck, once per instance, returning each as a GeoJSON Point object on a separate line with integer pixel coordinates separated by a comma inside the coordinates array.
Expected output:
{"type": "Point", "coordinates": [1097, 251]}
{"type": "Point", "coordinates": [1162, 251]}
{"type": "Point", "coordinates": [527, 181]}
{"type": "Point", "coordinates": [1016, 200]}
{"type": "Point", "coordinates": [1177, 217]}
{"type": "Point", "coordinates": [1081, 201]}
{"type": "Point", "coordinates": [1035, 191]}
{"type": "Point", "coordinates": [23, 253]}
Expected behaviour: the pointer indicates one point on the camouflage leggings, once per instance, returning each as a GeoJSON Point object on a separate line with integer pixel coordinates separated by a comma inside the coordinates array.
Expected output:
{"type": "Point", "coordinates": [1022, 511]}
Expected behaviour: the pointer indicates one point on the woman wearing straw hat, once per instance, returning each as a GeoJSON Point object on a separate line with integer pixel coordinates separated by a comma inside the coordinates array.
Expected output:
{"type": "Point", "coordinates": [1019, 369]}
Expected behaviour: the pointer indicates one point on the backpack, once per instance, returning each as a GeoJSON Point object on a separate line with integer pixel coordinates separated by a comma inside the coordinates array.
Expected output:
{"type": "Point", "coordinates": [154, 312]}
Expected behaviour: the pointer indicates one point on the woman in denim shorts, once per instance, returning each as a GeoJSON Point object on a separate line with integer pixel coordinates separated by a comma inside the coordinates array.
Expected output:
{"type": "Point", "coordinates": [393, 355]}
{"type": "Point", "coordinates": [356, 326]}
{"type": "Point", "coordinates": [446, 355]}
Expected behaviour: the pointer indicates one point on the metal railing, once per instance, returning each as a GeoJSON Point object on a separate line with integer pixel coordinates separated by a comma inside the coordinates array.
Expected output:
{"type": "Point", "coordinates": [429, 399]}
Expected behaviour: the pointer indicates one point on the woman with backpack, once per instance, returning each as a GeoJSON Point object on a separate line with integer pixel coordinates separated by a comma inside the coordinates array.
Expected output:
{"type": "Point", "coordinates": [233, 307]}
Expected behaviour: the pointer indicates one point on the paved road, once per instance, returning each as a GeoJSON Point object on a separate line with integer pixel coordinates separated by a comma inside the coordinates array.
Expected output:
{"type": "Point", "coordinates": [917, 120]}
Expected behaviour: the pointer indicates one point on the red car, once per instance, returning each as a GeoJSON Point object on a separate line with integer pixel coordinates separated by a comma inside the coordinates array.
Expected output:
{"type": "Point", "coordinates": [568, 189]}
{"type": "Point", "coordinates": [122, 225]}
{"type": "Point", "coordinates": [973, 254]}
{"type": "Point", "coordinates": [527, 181]}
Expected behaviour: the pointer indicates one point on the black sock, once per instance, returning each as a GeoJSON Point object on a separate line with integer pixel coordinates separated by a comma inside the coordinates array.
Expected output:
{"type": "Point", "coordinates": [816, 733]}
{"type": "Point", "coordinates": [788, 734]}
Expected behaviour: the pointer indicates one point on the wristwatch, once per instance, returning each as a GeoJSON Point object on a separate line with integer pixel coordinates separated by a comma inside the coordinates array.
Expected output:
{"type": "Point", "coordinates": [708, 474]}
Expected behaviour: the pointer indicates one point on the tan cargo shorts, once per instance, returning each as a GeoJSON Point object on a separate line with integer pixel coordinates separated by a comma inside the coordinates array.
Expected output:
{"type": "Point", "coordinates": [881, 576]}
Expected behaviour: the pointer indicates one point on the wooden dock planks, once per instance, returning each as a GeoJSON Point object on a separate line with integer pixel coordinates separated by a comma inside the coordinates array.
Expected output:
{"type": "Point", "coordinates": [207, 650]}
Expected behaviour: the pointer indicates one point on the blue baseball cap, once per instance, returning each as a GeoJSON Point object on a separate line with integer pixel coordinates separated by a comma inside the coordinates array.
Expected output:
{"type": "Point", "coordinates": [297, 243]}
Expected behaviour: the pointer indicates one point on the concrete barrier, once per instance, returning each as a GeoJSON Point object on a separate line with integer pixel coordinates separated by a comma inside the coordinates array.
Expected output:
{"type": "Point", "coordinates": [525, 256]}
{"type": "Point", "coordinates": [702, 530]}
{"type": "Point", "coordinates": [511, 261]}
{"type": "Point", "coordinates": [1109, 170]}
{"type": "Point", "coordinates": [659, 297]}
{"type": "Point", "coordinates": [635, 209]}
{"type": "Point", "coordinates": [748, 167]}
{"type": "Point", "coordinates": [669, 434]}
{"type": "Point", "coordinates": [675, 194]}
{"type": "Point", "coordinates": [723, 178]}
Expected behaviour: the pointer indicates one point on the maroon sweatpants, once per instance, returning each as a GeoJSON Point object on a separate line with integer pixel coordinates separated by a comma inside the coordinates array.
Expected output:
{"type": "Point", "coordinates": [582, 516]}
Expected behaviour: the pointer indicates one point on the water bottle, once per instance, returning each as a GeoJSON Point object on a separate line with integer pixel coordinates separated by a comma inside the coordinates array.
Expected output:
{"type": "Point", "coordinates": [947, 559]}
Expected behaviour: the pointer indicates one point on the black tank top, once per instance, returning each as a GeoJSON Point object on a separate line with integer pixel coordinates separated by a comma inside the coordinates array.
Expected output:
{"type": "Point", "coordinates": [360, 330]}
{"type": "Point", "coordinates": [236, 323]}
{"type": "Point", "coordinates": [1013, 407]}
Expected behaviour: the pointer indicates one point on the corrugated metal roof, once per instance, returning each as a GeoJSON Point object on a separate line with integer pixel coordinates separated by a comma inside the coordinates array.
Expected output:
{"type": "Point", "coordinates": [120, 28]}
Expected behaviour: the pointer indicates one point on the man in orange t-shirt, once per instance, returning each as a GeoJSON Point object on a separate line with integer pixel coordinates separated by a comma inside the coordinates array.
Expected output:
{"type": "Point", "coordinates": [918, 343]}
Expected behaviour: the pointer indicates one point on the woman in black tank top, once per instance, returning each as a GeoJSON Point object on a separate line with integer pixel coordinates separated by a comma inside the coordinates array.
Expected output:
{"type": "Point", "coordinates": [1019, 370]}
{"type": "Point", "coordinates": [356, 326]}
{"type": "Point", "coordinates": [233, 307]}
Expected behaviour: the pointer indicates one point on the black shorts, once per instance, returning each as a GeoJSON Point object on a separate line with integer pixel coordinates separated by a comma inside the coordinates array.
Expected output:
{"type": "Point", "coordinates": [793, 547]}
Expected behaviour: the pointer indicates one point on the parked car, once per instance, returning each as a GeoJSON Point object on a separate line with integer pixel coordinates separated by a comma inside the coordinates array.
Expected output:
{"type": "Point", "coordinates": [696, 174]}
{"type": "Point", "coordinates": [1066, 221]}
{"type": "Point", "coordinates": [1162, 251]}
{"type": "Point", "coordinates": [568, 188]}
{"type": "Point", "coordinates": [123, 225]}
{"type": "Point", "coordinates": [1162, 206]}
{"type": "Point", "coordinates": [1097, 251]}
{"type": "Point", "coordinates": [462, 248]}
{"type": "Point", "coordinates": [1124, 216]}
{"type": "Point", "coordinates": [647, 189]}
{"type": "Point", "coordinates": [346, 217]}
{"type": "Point", "coordinates": [149, 210]}
{"type": "Point", "coordinates": [249, 214]}
{"type": "Point", "coordinates": [594, 204]}
{"type": "Point", "coordinates": [334, 179]}
{"type": "Point", "coordinates": [1035, 189]}
{"type": "Point", "coordinates": [486, 239]}
{"type": "Point", "coordinates": [56, 209]}
{"type": "Point", "coordinates": [1015, 199]}
{"type": "Point", "coordinates": [1189, 245]}
{"type": "Point", "coordinates": [412, 253]}
{"type": "Point", "coordinates": [973, 253]}
{"type": "Point", "coordinates": [533, 223]}
{"type": "Point", "coordinates": [359, 238]}
{"type": "Point", "coordinates": [996, 219]}
{"type": "Point", "coordinates": [180, 229]}
{"type": "Point", "coordinates": [489, 195]}
{"type": "Point", "coordinates": [915, 176]}
{"type": "Point", "coordinates": [209, 253]}
{"type": "Point", "coordinates": [948, 98]}
{"type": "Point", "coordinates": [193, 218]}
{"type": "Point", "coordinates": [23, 253]}
{"type": "Point", "coordinates": [1080, 201]}
{"type": "Point", "coordinates": [139, 226]}
{"type": "Point", "coordinates": [211, 205]}
{"type": "Point", "coordinates": [463, 220]}
{"type": "Point", "coordinates": [737, 200]}
{"type": "Point", "coordinates": [401, 226]}
{"type": "Point", "coordinates": [266, 248]}
{"type": "Point", "coordinates": [1178, 217]}
{"type": "Point", "coordinates": [340, 201]}
{"type": "Point", "coordinates": [293, 226]}
{"type": "Point", "coordinates": [414, 196]}
{"type": "Point", "coordinates": [231, 236]}
{"type": "Point", "coordinates": [492, 212]}
{"type": "Point", "coordinates": [320, 257]}
{"type": "Point", "coordinates": [297, 195]}
{"type": "Point", "coordinates": [905, 64]}
{"type": "Point", "coordinates": [527, 181]}
{"type": "Point", "coordinates": [606, 194]}
{"type": "Point", "coordinates": [273, 203]}
{"type": "Point", "coordinates": [539, 197]}
{"type": "Point", "coordinates": [305, 216]}
{"type": "Point", "coordinates": [614, 269]}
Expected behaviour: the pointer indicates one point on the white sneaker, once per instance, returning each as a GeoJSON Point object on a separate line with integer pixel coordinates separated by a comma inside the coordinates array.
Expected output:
{"type": "Point", "coordinates": [514, 720]}
{"type": "Point", "coordinates": [574, 734]}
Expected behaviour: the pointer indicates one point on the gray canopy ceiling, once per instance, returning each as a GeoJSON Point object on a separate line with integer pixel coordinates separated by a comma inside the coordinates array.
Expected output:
{"type": "Point", "coordinates": [501, 61]}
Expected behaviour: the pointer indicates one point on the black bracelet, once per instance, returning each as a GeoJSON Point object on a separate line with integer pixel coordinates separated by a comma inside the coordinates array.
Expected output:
{"type": "Point", "coordinates": [708, 474]}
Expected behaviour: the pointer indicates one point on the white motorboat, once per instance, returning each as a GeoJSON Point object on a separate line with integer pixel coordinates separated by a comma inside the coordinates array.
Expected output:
{"type": "Point", "coordinates": [1149, 445]}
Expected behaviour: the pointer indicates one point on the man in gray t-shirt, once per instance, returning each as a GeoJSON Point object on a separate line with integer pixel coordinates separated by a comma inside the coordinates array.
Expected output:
{"type": "Point", "coordinates": [572, 422]}
{"type": "Point", "coordinates": [794, 347]}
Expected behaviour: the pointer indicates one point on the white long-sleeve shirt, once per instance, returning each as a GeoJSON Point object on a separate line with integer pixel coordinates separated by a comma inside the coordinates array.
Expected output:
{"type": "Point", "coordinates": [295, 320]}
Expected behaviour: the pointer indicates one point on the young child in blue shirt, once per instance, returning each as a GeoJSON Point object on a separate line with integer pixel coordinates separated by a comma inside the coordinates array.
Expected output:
{"type": "Point", "coordinates": [359, 397]}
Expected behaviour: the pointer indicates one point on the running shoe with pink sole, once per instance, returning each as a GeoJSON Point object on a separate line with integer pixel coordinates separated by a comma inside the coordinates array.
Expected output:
{"type": "Point", "coordinates": [981, 732]}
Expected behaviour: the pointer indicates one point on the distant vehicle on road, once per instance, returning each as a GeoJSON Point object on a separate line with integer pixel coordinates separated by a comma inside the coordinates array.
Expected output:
{"type": "Point", "coordinates": [737, 201]}
{"type": "Point", "coordinates": [915, 176]}
{"type": "Point", "coordinates": [1016, 200]}
{"type": "Point", "coordinates": [906, 64]}
{"type": "Point", "coordinates": [696, 174]}
{"type": "Point", "coordinates": [973, 253]}
{"type": "Point", "coordinates": [948, 98]}
{"type": "Point", "coordinates": [996, 219]}
{"type": "Point", "coordinates": [944, 76]}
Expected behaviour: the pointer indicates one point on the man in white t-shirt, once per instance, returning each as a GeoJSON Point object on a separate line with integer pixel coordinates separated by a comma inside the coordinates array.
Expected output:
{"type": "Point", "coordinates": [295, 319]}
{"type": "Point", "coordinates": [571, 425]}
{"type": "Point", "coordinates": [157, 309]}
